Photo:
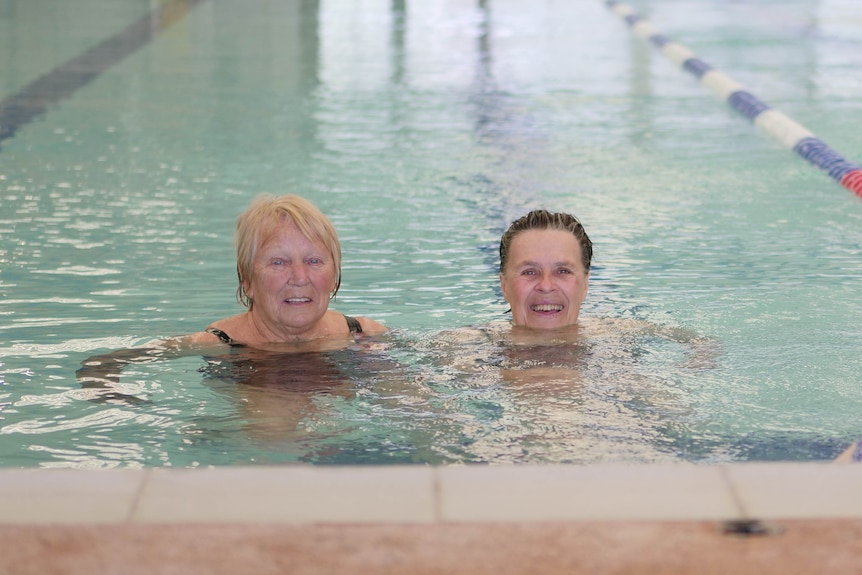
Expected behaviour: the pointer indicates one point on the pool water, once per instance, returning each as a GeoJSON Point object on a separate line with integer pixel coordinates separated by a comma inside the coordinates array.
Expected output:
{"type": "Point", "coordinates": [422, 129]}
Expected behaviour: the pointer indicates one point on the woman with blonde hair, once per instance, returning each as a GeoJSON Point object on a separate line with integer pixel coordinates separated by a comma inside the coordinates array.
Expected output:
{"type": "Point", "coordinates": [289, 269]}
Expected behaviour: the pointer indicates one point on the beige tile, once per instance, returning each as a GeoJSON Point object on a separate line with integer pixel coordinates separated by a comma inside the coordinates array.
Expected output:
{"type": "Point", "coordinates": [68, 495]}
{"type": "Point", "coordinates": [601, 492]}
{"type": "Point", "coordinates": [407, 494]}
{"type": "Point", "coordinates": [797, 490]}
{"type": "Point", "coordinates": [289, 494]}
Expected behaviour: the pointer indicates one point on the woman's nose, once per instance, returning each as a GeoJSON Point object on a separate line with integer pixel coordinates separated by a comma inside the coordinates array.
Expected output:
{"type": "Point", "coordinates": [546, 282]}
{"type": "Point", "coordinates": [298, 276]}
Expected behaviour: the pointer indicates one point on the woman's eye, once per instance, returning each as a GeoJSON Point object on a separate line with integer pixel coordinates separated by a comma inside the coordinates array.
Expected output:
{"type": "Point", "coordinates": [277, 262]}
{"type": "Point", "coordinates": [315, 261]}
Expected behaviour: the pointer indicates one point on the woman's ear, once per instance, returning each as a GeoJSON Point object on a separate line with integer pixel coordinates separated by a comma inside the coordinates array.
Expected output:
{"type": "Point", "coordinates": [247, 289]}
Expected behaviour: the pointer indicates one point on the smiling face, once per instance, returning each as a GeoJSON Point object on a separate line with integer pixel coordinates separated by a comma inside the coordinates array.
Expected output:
{"type": "Point", "coordinates": [544, 280]}
{"type": "Point", "coordinates": [292, 282]}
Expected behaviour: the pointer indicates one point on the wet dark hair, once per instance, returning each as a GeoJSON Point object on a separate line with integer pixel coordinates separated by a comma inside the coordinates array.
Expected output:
{"type": "Point", "coordinates": [545, 220]}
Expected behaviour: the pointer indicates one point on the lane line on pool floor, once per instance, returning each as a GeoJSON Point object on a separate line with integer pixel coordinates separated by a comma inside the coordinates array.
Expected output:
{"type": "Point", "coordinates": [48, 90]}
{"type": "Point", "coordinates": [788, 132]}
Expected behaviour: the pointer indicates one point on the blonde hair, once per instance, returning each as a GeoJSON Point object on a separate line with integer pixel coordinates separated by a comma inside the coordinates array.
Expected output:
{"type": "Point", "coordinates": [267, 212]}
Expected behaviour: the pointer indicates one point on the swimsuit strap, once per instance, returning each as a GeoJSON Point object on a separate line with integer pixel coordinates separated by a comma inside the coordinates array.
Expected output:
{"type": "Point", "coordinates": [353, 324]}
{"type": "Point", "coordinates": [221, 335]}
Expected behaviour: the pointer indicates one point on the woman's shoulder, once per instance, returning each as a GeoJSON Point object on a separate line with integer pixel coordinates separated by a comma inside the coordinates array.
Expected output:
{"type": "Point", "coordinates": [370, 326]}
{"type": "Point", "coordinates": [598, 326]}
{"type": "Point", "coordinates": [206, 336]}
{"type": "Point", "coordinates": [222, 330]}
{"type": "Point", "coordinates": [472, 334]}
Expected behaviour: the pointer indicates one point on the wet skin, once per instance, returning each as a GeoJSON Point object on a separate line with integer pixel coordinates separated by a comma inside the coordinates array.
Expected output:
{"type": "Point", "coordinates": [291, 285]}
{"type": "Point", "coordinates": [544, 281]}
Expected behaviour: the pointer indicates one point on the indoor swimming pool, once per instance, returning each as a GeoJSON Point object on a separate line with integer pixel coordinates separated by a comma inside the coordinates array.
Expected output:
{"type": "Point", "coordinates": [422, 129]}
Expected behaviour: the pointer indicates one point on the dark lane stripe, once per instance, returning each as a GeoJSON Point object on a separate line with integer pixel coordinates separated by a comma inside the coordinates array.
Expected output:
{"type": "Point", "coordinates": [49, 90]}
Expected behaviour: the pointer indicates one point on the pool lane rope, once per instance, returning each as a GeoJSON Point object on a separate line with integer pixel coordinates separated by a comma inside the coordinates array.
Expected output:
{"type": "Point", "coordinates": [776, 124]}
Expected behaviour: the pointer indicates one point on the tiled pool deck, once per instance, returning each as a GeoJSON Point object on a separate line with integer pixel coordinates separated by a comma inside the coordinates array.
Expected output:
{"type": "Point", "coordinates": [418, 519]}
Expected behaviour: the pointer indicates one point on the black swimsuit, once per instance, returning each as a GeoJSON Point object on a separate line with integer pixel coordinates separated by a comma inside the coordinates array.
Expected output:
{"type": "Point", "coordinates": [352, 324]}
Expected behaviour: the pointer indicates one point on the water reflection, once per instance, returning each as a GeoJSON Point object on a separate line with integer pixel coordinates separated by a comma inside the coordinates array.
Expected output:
{"type": "Point", "coordinates": [607, 391]}
{"type": "Point", "coordinates": [423, 128]}
{"type": "Point", "coordinates": [397, 40]}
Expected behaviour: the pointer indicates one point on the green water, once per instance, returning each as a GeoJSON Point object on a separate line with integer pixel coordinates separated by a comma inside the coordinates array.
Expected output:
{"type": "Point", "coordinates": [422, 130]}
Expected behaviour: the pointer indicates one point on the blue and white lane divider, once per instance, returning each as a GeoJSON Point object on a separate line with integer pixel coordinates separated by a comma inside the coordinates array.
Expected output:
{"type": "Point", "coordinates": [773, 122]}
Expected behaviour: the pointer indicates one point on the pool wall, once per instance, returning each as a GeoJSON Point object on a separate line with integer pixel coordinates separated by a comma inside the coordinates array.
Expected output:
{"type": "Point", "coordinates": [743, 518]}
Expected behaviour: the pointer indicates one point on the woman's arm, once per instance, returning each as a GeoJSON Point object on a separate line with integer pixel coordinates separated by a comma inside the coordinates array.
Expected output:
{"type": "Point", "coordinates": [703, 352]}
{"type": "Point", "coordinates": [103, 371]}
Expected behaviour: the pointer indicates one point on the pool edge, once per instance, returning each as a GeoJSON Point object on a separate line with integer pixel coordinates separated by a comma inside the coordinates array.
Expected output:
{"type": "Point", "coordinates": [426, 495]}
